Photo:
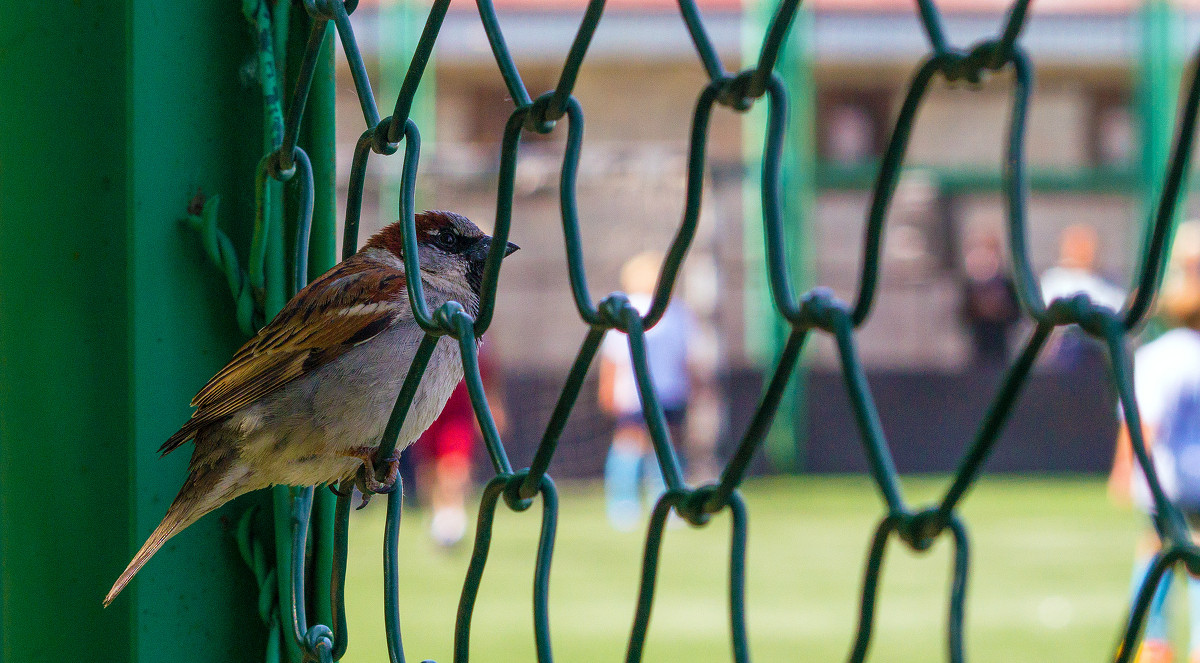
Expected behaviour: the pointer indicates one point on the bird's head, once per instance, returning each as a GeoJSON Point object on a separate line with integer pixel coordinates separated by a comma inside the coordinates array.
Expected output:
{"type": "Point", "coordinates": [451, 249]}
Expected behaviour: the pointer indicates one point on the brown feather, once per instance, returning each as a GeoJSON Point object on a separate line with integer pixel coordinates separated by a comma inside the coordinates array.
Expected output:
{"type": "Point", "coordinates": [348, 305]}
{"type": "Point", "coordinates": [351, 304]}
{"type": "Point", "coordinates": [427, 223]}
{"type": "Point", "coordinates": [200, 494]}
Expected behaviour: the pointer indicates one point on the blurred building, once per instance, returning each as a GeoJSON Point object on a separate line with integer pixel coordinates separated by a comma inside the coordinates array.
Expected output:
{"type": "Point", "coordinates": [1088, 146]}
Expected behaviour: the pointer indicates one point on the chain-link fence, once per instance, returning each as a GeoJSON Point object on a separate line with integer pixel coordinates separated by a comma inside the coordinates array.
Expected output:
{"type": "Point", "coordinates": [816, 311]}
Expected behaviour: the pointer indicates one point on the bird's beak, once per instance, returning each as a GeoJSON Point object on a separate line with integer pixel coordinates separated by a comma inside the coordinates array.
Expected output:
{"type": "Point", "coordinates": [480, 251]}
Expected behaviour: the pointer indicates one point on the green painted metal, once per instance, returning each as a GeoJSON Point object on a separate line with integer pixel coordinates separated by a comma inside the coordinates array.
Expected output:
{"type": "Point", "coordinates": [799, 205]}
{"type": "Point", "coordinates": [766, 337]}
{"type": "Point", "coordinates": [1156, 91]}
{"type": "Point", "coordinates": [288, 208]}
{"type": "Point", "coordinates": [757, 321]}
{"type": "Point", "coordinates": [171, 51]}
{"type": "Point", "coordinates": [126, 368]}
{"type": "Point", "coordinates": [110, 322]}
{"type": "Point", "coordinates": [296, 206]}
{"type": "Point", "coordinates": [267, 261]}
{"type": "Point", "coordinates": [400, 25]}
{"type": "Point", "coordinates": [786, 440]}
{"type": "Point", "coordinates": [322, 148]}
{"type": "Point", "coordinates": [816, 311]}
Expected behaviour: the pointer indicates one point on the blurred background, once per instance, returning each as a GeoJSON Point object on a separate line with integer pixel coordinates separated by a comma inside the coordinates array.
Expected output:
{"type": "Point", "coordinates": [1052, 574]}
{"type": "Point", "coordinates": [1102, 111]}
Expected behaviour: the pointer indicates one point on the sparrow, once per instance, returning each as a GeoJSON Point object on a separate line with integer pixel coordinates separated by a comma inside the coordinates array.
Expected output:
{"type": "Point", "coordinates": [306, 400]}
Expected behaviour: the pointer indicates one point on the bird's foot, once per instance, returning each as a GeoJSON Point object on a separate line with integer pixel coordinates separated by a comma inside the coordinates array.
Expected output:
{"type": "Point", "coordinates": [366, 479]}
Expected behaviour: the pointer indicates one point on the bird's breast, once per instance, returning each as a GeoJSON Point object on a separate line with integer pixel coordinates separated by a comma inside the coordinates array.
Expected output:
{"type": "Point", "coordinates": [304, 431]}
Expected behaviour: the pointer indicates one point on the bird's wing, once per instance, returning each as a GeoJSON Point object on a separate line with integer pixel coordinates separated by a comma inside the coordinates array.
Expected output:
{"type": "Point", "coordinates": [349, 305]}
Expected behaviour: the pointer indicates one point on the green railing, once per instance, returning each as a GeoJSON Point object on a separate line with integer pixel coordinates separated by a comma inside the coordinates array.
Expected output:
{"type": "Point", "coordinates": [817, 311]}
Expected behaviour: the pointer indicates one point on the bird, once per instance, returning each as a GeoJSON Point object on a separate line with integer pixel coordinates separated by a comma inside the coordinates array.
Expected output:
{"type": "Point", "coordinates": [306, 400]}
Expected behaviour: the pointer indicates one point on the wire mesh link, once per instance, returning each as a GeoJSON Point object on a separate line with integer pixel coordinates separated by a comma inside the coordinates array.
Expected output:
{"type": "Point", "coordinates": [816, 311]}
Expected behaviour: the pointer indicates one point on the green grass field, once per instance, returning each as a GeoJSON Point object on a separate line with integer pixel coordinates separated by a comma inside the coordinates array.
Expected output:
{"type": "Point", "coordinates": [1049, 579]}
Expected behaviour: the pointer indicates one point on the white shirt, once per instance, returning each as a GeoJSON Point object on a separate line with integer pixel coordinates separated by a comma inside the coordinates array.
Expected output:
{"type": "Point", "coordinates": [1066, 281]}
{"type": "Point", "coordinates": [666, 356]}
{"type": "Point", "coordinates": [1162, 370]}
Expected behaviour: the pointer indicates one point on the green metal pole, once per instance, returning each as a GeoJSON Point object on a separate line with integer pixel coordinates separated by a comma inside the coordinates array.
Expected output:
{"type": "Point", "coordinates": [1157, 93]}
{"type": "Point", "coordinates": [799, 199]}
{"type": "Point", "coordinates": [786, 440]}
{"type": "Point", "coordinates": [274, 298]}
{"type": "Point", "coordinates": [319, 142]}
{"type": "Point", "coordinates": [111, 319]}
{"type": "Point", "coordinates": [400, 25]}
{"type": "Point", "coordinates": [321, 145]}
{"type": "Point", "coordinates": [1158, 85]}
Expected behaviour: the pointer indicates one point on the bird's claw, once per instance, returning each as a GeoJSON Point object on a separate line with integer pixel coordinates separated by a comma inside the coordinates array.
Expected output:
{"type": "Point", "coordinates": [369, 485]}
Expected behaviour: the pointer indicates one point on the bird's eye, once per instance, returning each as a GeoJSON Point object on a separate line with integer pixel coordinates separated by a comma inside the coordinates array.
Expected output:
{"type": "Point", "coordinates": [448, 240]}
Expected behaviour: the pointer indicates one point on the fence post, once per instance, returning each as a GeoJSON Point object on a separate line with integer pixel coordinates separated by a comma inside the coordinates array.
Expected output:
{"type": "Point", "coordinates": [322, 255]}
{"type": "Point", "coordinates": [799, 208]}
{"type": "Point", "coordinates": [112, 318]}
{"type": "Point", "coordinates": [1157, 90]}
{"type": "Point", "coordinates": [766, 334]}
{"type": "Point", "coordinates": [400, 23]}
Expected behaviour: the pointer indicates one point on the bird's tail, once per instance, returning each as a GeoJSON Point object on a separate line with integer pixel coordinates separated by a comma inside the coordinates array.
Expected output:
{"type": "Point", "coordinates": [203, 491]}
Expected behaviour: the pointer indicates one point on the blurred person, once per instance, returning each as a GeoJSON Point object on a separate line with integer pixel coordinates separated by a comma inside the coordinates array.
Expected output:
{"type": "Point", "coordinates": [1167, 388]}
{"type": "Point", "coordinates": [1180, 290]}
{"type": "Point", "coordinates": [445, 453]}
{"type": "Point", "coordinates": [1076, 273]}
{"type": "Point", "coordinates": [989, 301]}
{"type": "Point", "coordinates": [631, 460]}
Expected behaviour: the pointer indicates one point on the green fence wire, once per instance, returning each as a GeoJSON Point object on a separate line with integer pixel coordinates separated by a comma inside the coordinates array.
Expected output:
{"type": "Point", "coordinates": [816, 311]}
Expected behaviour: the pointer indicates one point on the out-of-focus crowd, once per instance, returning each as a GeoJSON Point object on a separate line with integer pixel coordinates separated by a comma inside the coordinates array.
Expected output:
{"type": "Point", "coordinates": [1166, 386]}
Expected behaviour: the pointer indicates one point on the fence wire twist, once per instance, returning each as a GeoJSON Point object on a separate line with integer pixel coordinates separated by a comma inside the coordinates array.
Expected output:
{"type": "Point", "coordinates": [816, 311]}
